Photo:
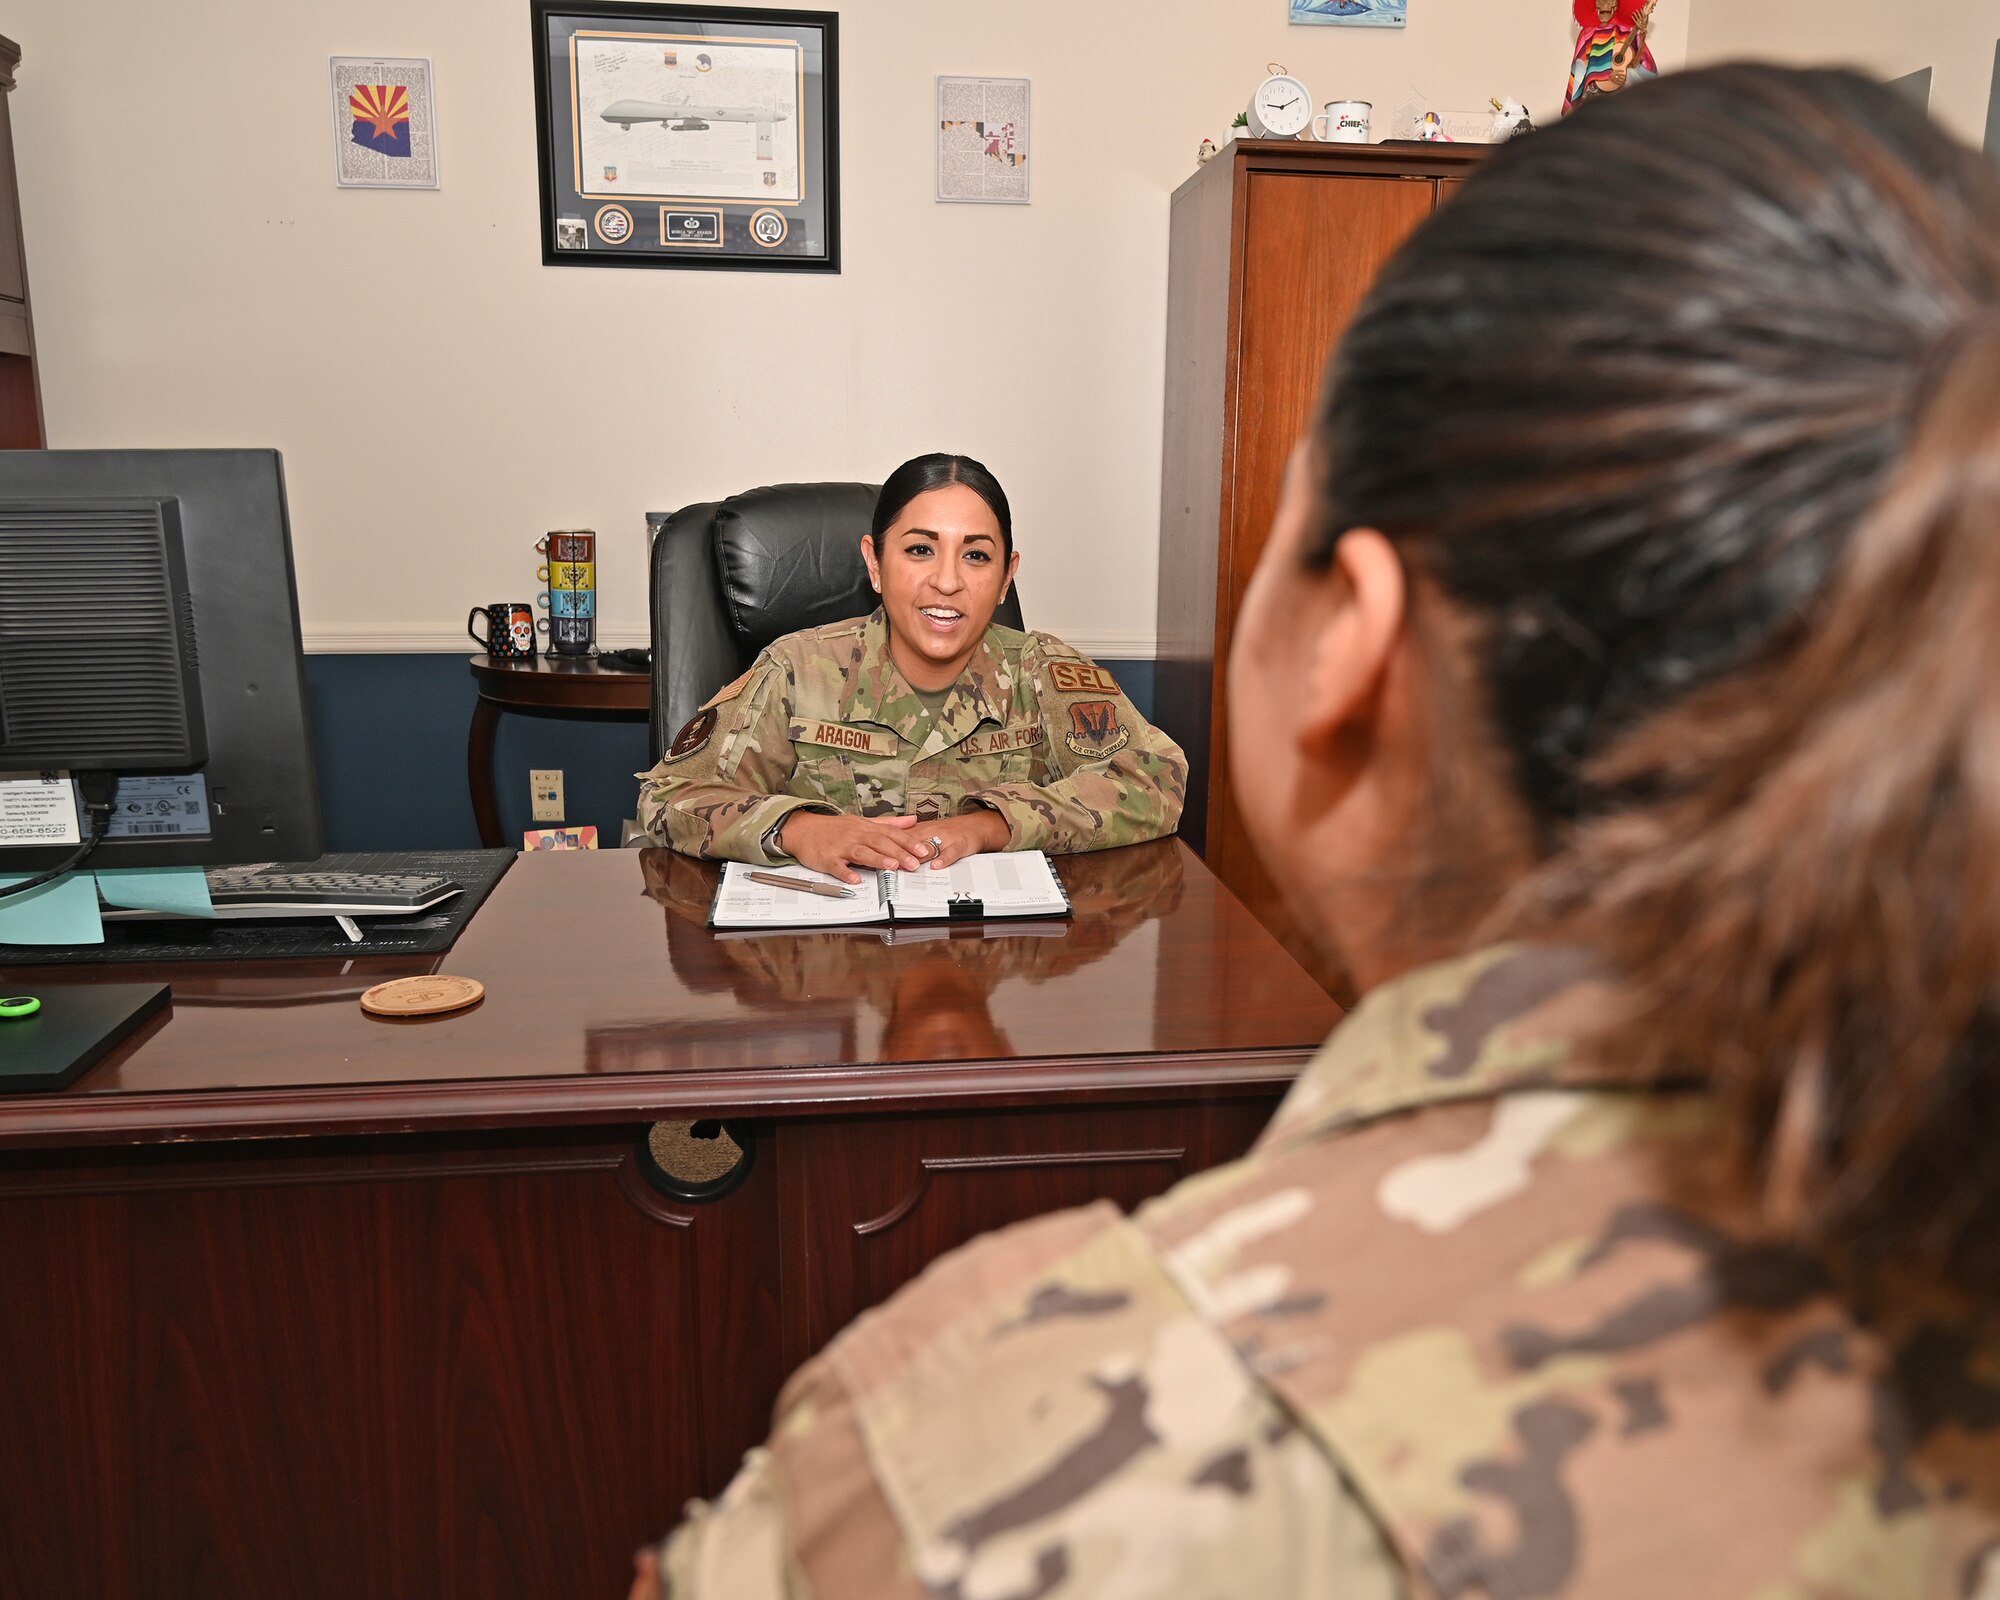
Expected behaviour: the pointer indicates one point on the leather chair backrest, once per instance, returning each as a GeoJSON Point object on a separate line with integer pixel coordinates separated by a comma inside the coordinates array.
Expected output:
{"type": "Point", "coordinates": [731, 576]}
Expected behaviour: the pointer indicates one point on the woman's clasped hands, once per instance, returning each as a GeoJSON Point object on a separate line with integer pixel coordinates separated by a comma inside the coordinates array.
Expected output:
{"type": "Point", "coordinates": [838, 845]}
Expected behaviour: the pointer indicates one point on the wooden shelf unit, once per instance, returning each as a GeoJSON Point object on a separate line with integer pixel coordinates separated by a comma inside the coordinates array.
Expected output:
{"type": "Point", "coordinates": [1272, 246]}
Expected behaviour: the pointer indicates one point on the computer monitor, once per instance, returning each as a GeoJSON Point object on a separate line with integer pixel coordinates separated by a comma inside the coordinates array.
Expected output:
{"type": "Point", "coordinates": [149, 628]}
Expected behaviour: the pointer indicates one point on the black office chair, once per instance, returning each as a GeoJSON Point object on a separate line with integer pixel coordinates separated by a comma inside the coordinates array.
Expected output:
{"type": "Point", "coordinates": [729, 576]}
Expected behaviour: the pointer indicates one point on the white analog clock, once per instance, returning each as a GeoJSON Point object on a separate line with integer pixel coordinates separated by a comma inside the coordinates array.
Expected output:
{"type": "Point", "coordinates": [1281, 108]}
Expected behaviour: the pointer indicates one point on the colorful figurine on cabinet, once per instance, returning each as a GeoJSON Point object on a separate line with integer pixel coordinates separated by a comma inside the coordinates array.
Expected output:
{"type": "Point", "coordinates": [1611, 48]}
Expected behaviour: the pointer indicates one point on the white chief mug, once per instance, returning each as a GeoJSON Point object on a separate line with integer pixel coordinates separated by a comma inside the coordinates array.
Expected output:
{"type": "Point", "coordinates": [1343, 122]}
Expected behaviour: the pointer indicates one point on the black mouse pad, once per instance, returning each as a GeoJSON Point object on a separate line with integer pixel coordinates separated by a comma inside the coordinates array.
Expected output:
{"type": "Point", "coordinates": [77, 1023]}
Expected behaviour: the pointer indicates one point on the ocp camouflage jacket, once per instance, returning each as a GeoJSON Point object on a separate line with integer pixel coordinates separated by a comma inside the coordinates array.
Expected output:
{"type": "Point", "coordinates": [825, 720]}
{"type": "Point", "coordinates": [1457, 1327]}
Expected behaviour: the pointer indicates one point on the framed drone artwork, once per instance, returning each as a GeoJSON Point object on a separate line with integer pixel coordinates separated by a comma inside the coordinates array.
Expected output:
{"type": "Point", "coordinates": [687, 136]}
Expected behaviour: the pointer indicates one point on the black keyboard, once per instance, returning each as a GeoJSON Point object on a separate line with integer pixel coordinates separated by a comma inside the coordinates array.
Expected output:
{"type": "Point", "coordinates": [296, 938]}
{"type": "Point", "coordinates": [238, 888]}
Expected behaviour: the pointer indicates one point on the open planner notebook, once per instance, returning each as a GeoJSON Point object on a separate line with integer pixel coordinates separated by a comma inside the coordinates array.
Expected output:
{"type": "Point", "coordinates": [1011, 883]}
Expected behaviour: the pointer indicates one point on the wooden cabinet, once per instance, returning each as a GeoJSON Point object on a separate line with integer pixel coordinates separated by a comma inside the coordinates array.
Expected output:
{"type": "Point", "coordinates": [20, 388]}
{"type": "Point", "coordinates": [1272, 246]}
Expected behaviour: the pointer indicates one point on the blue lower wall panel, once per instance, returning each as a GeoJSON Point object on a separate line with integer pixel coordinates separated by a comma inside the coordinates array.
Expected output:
{"type": "Point", "coordinates": [1136, 679]}
{"type": "Point", "coordinates": [389, 734]}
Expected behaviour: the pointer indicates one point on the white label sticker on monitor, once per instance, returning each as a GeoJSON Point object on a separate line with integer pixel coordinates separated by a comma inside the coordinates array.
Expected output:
{"type": "Point", "coordinates": [161, 808]}
{"type": "Point", "coordinates": [37, 808]}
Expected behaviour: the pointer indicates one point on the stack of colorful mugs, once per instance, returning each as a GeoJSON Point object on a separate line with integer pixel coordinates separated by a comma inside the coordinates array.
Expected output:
{"type": "Point", "coordinates": [571, 596]}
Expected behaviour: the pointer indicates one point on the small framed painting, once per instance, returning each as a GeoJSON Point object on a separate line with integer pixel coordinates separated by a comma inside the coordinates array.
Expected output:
{"type": "Point", "coordinates": [384, 123]}
{"type": "Point", "coordinates": [1352, 13]}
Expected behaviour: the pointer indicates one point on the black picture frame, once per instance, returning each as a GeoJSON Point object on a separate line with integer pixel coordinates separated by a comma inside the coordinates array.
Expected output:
{"type": "Point", "coordinates": [605, 199]}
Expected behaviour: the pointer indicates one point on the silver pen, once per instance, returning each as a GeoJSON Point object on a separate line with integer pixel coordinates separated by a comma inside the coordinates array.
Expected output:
{"type": "Point", "coordinates": [828, 891]}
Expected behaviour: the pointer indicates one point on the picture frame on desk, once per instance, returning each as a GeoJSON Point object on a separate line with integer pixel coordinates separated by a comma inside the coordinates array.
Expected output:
{"type": "Point", "coordinates": [692, 136]}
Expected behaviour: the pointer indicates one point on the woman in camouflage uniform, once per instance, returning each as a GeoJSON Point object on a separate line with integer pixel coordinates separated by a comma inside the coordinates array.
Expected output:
{"type": "Point", "coordinates": [1619, 693]}
{"type": "Point", "coordinates": [925, 732]}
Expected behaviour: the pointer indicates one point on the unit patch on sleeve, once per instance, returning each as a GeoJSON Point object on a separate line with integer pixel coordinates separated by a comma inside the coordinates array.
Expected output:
{"type": "Point", "coordinates": [1095, 730]}
{"type": "Point", "coordinates": [1080, 677]}
{"type": "Point", "coordinates": [694, 736]}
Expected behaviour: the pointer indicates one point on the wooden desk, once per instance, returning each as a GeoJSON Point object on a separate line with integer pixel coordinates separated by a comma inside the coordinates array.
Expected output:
{"type": "Point", "coordinates": [538, 683]}
{"type": "Point", "coordinates": [298, 1301]}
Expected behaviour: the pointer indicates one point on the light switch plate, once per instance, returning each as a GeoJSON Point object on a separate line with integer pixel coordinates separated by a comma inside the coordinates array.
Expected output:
{"type": "Point", "coordinates": [545, 793]}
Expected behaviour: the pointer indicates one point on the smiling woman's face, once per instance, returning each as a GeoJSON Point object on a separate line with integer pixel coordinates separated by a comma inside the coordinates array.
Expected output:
{"type": "Point", "coordinates": [941, 572]}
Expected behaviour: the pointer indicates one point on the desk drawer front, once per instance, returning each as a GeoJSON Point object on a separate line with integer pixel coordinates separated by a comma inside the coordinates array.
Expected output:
{"type": "Point", "coordinates": [868, 1205]}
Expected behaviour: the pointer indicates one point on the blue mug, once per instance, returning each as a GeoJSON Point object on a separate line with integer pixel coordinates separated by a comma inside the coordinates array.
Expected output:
{"type": "Point", "coordinates": [568, 602]}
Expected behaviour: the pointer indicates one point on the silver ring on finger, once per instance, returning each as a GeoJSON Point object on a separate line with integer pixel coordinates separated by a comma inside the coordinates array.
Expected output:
{"type": "Point", "coordinates": [937, 847]}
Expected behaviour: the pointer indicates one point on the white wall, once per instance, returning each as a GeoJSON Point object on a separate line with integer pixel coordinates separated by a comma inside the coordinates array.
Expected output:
{"type": "Point", "coordinates": [1953, 37]}
{"type": "Point", "coordinates": [441, 397]}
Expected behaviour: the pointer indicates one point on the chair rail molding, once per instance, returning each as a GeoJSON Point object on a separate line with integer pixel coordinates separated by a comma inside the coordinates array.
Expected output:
{"type": "Point", "coordinates": [440, 641]}
{"type": "Point", "coordinates": [1098, 646]}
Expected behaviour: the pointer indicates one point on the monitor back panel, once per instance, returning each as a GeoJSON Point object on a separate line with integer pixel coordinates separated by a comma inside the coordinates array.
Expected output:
{"type": "Point", "coordinates": [256, 796]}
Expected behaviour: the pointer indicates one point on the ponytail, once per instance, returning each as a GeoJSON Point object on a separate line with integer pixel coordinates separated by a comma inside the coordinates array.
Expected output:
{"type": "Point", "coordinates": [1690, 406]}
{"type": "Point", "coordinates": [1807, 905]}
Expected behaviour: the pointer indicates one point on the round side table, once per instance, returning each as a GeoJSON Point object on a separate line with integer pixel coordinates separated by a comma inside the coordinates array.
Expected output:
{"type": "Point", "coordinates": [538, 683]}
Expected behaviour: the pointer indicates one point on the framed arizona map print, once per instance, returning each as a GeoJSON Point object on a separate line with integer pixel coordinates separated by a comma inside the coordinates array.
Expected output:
{"type": "Point", "coordinates": [687, 136]}
{"type": "Point", "coordinates": [384, 124]}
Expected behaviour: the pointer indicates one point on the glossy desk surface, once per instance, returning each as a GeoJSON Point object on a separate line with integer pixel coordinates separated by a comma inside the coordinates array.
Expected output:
{"type": "Point", "coordinates": [607, 997]}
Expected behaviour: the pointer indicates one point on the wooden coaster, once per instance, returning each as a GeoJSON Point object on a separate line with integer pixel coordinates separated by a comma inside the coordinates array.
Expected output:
{"type": "Point", "coordinates": [420, 997]}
